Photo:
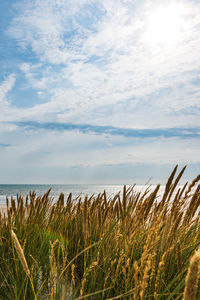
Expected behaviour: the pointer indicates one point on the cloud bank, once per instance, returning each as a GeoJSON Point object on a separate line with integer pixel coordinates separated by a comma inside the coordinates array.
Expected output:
{"type": "Point", "coordinates": [109, 130]}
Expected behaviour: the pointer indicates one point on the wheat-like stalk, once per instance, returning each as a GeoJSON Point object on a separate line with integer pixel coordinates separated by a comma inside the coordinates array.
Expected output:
{"type": "Point", "coordinates": [52, 261]}
{"type": "Point", "coordinates": [191, 186]}
{"type": "Point", "coordinates": [145, 278]}
{"type": "Point", "coordinates": [136, 271]}
{"type": "Point", "coordinates": [20, 253]}
{"type": "Point", "coordinates": [72, 274]}
{"type": "Point", "coordinates": [192, 277]}
{"type": "Point", "coordinates": [159, 272]}
{"type": "Point", "coordinates": [85, 276]}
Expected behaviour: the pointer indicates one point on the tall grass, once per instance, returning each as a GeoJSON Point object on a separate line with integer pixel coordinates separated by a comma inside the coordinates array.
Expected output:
{"type": "Point", "coordinates": [130, 246]}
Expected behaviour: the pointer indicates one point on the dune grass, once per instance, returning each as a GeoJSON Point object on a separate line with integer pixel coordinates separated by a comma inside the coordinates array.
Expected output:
{"type": "Point", "coordinates": [130, 246]}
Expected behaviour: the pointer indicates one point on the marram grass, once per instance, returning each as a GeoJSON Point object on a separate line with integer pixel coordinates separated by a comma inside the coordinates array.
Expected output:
{"type": "Point", "coordinates": [130, 246]}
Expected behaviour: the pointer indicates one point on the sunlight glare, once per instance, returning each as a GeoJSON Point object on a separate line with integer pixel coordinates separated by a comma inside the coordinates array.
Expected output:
{"type": "Point", "coordinates": [164, 25]}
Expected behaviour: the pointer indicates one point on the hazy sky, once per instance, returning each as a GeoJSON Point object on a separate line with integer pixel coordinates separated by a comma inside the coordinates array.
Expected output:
{"type": "Point", "coordinates": [98, 91]}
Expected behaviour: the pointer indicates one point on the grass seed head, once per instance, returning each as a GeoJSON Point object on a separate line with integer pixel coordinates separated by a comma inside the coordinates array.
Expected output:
{"type": "Point", "coordinates": [192, 277]}
{"type": "Point", "coordinates": [20, 253]}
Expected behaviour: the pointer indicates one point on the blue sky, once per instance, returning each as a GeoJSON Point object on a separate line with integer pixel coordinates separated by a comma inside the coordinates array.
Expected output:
{"type": "Point", "coordinates": [99, 91]}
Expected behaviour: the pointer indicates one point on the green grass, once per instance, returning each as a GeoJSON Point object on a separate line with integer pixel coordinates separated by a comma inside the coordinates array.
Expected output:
{"type": "Point", "coordinates": [130, 246]}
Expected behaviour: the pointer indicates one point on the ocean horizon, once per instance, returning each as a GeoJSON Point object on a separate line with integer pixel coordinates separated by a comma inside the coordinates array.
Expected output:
{"type": "Point", "coordinates": [11, 190]}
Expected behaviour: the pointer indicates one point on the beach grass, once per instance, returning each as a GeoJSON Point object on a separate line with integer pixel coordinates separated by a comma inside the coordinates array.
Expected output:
{"type": "Point", "coordinates": [133, 245]}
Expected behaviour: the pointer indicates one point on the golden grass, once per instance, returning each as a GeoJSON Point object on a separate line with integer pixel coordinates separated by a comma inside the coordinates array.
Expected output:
{"type": "Point", "coordinates": [129, 246]}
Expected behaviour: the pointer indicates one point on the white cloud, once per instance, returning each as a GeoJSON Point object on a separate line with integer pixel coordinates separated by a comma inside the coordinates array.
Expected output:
{"type": "Point", "coordinates": [43, 24]}
{"type": "Point", "coordinates": [84, 68]}
{"type": "Point", "coordinates": [36, 75]}
{"type": "Point", "coordinates": [5, 87]}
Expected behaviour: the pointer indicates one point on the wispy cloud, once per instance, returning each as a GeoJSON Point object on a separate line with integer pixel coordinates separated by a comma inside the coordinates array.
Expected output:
{"type": "Point", "coordinates": [45, 26]}
{"type": "Point", "coordinates": [93, 53]}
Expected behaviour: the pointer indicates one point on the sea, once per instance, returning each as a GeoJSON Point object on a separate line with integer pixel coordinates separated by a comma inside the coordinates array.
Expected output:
{"type": "Point", "coordinates": [8, 190]}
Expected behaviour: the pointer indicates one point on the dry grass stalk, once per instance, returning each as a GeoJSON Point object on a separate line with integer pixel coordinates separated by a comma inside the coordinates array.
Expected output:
{"type": "Point", "coordinates": [51, 216]}
{"type": "Point", "coordinates": [10, 218]}
{"type": "Point", "coordinates": [120, 206]}
{"type": "Point", "coordinates": [192, 277]}
{"type": "Point", "coordinates": [128, 268]}
{"type": "Point", "coordinates": [179, 257]}
{"type": "Point", "coordinates": [13, 205]}
{"type": "Point", "coordinates": [116, 210]}
{"type": "Point", "coordinates": [151, 199]}
{"type": "Point", "coordinates": [100, 217]}
{"type": "Point", "coordinates": [21, 209]}
{"type": "Point", "coordinates": [175, 202]}
{"type": "Point", "coordinates": [182, 190]}
{"type": "Point", "coordinates": [168, 187]}
{"type": "Point", "coordinates": [197, 202]}
{"type": "Point", "coordinates": [20, 253]}
{"type": "Point", "coordinates": [124, 199]}
{"type": "Point", "coordinates": [7, 203]}
{"type": "Point", "coordinates": [136, 272]}
{"type": "Point", "coordinates": [53, 267]}
{"type": "Point", "coordinates": [175, 183]}
{"type": "Point", "coordinates": [191, 186]}
{"type": "Point", "coordinates": [105, 215]}
{"type": "Point", "coordinates": [154, 252]}
{"type": "Point", "coordinates": [105, 281]}
{"type": "Point", "coordinates": [174, 230]}
{"type": "Point", "coordinates": [72, 274]}
{"type": "Point", "coordinates": [119, 264]}
{"type": "Point", "coordinates": [192, 206]}
{"type": "Point", "coordinates": [153, 268]}
{"type": "Point", "coordinates": [95, 263]}
{"type": "Point", "coordinates": [150, 241]}
{"type": "Point", "coordinates": [145, 278]}
{"type": "Point", "coordinates": [158, 276]}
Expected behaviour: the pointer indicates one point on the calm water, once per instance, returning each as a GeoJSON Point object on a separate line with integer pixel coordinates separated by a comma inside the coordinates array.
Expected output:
{"type": "Point", "coordinates": [76, 189]}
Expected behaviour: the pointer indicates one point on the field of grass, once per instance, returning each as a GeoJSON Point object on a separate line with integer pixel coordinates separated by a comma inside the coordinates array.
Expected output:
{"type": "Point", "coordinates": [130, 246]}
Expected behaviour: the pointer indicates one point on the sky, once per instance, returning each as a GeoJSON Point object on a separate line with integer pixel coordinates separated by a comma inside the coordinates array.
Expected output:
{"type": "Point", "coordinates": [99, 91]}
